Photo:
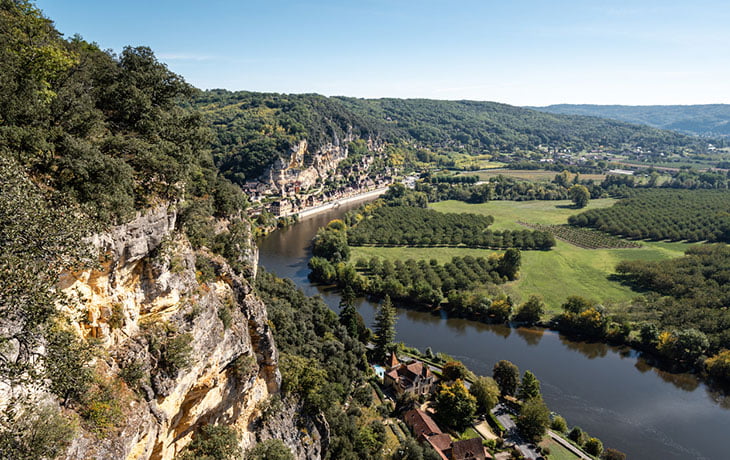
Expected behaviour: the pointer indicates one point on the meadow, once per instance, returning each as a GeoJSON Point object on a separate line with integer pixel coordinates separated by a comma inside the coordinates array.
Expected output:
{"type": "Point", "coordinates": [555, 274]}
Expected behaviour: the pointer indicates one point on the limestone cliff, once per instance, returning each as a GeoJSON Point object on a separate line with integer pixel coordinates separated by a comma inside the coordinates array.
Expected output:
{"type": "Point", "coordinates": [306, 168]}
{"type": "Point", "coordinates": [147, 295]}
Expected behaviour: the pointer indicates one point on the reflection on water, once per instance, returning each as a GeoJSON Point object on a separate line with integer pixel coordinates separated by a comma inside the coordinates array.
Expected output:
{"type": "Point", "coordinates": [532, 336]}
{"type": "Point", "coordinates": [607, 390]}
{"type": "Point", "coordinates": [590, 350]}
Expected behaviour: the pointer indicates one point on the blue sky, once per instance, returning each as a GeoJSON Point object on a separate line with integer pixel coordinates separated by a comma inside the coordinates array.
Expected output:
{"type": "Point", "coordinates": [519, 52]}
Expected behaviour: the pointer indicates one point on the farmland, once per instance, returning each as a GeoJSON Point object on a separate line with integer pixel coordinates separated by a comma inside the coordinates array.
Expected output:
{"type": "Point", "coordinates": [564, 270]}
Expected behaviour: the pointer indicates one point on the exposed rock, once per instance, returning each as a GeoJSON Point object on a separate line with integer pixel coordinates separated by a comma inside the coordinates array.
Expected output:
{"type": "Point", "coordinates": [304, 436]}
{"type": "Point", "coordinates": [145, 295]}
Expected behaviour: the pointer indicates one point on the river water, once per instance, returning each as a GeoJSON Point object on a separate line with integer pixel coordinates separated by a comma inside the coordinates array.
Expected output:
{"type": "Point", "coordinates": [608, 391]}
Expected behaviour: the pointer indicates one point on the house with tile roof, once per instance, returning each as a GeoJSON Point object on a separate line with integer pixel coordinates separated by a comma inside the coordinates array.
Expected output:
{"type": "Point", "coordinates": [414, 377]}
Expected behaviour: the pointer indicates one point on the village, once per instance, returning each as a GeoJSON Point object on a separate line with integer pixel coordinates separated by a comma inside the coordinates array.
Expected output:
{"type": "Point", "coordinates": [409, 383]}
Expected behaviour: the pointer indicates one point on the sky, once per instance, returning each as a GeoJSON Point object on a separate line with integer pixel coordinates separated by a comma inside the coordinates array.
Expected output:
{"type": "Point", "coordinates": [520, 52]}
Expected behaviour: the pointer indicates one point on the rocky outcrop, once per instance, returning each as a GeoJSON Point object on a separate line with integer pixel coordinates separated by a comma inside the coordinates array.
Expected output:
{"type": "Point", "coordinates": [145, 302]}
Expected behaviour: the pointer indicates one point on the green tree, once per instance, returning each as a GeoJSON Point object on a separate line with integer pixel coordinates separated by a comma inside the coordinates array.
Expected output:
{"type": "Point", "coordinates": [533, 420]}
{"type": "Point", "coordinates": [486, 392]}
{"type": "Point", "coordinates": [331, 244]}
{"type": "Point", "coordinates": [579, 195]}
{"type": "Point", "coordinates": [350, 317]}
{"type": "Point", "coordinates": [529, 388]}
{"type": "Point", "coordinates": [718, 366]}
{"type": "Point", "coordinates": [454, 405]}
{"type": "Point", "coordinates": [559, 424]}
{"type": "Point", "coordinates": [509, 263]}
{"type": "Point", "coordinates": [594, 446]}
{"type": "Point", "coordinates": [213, 442]}
{"type": "Point", "coordinates": [33, 431]}
{"type": "Point", "coordinates": [271, 449]}
{"type": "Point", "coordinates": [507, 376]}
{"type": "Point", "coordinates": [530, 311]}
{"type": "Point", "coordinates": [384, 328]}
{"type": "Point", "coordinates": [454, 370]}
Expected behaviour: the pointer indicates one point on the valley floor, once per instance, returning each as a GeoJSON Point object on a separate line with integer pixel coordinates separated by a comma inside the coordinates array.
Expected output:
{"type": "Point", "coordinates": [556, 274]}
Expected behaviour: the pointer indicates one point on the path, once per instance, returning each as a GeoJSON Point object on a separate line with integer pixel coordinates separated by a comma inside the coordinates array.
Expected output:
{"type": "Point", "coordinates": [560, 440]}
{"type": "Point", "coordinates": [511, 435]}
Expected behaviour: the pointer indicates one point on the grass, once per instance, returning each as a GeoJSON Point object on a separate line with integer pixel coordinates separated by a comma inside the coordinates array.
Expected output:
{"type": "Point", "coordinates": [469, 433]}
{"type": "Point", "coordinates": [557, 451]}
{"type": "Point", "coordinates": [554, 275]}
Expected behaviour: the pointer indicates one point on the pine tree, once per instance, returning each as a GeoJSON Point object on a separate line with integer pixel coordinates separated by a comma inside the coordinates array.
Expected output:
{"type": "Point", "coordinates": [348, 312]}
{"type": "Point", "coordinates": [384, 329]}
{"type": "Point", "coordinates": [530, 387]}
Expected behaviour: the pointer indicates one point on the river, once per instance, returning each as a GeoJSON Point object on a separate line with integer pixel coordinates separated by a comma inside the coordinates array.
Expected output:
{"type": "Point", "coordinates": [608, 391]}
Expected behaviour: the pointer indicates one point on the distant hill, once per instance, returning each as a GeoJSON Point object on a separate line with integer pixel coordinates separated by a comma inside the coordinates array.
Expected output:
{"type": "Point", "coordinates": [253, 129]}
{"type": "Point", "coordinates": [710, 120]}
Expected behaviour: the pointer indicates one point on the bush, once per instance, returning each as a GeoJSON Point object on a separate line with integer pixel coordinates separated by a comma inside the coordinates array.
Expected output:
{"type": "Point", "coordinates": [576, 435]}
{"type": "Point", "coordinates": [271, 449]}
{"type": "Point", "coordinates": [593, 446]}
{"type": "Point", "coordinates": [225, 315]}
{"type": "Point", "coordinates": [101, 407]}
{"type": "Point", "coordinates": [558, 424]}
{"type": "Point", "coordinates": [30, 431]}
{"type": "Point", "coordinates": [213, 442]}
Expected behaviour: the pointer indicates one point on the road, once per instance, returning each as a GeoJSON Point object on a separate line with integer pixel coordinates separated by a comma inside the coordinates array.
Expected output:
{"type": "Point", "coordinates": [512, 436]}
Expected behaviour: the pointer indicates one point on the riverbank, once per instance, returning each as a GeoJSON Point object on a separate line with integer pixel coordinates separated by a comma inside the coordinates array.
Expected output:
{"type": "Point", "coordinates": [337, 203]}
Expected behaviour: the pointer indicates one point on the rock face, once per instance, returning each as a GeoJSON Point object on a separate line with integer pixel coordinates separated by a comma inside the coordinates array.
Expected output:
{"type": "Point", "coordinates": [306, 168]}
{"type": "Point", "coordinates": [142, 303]}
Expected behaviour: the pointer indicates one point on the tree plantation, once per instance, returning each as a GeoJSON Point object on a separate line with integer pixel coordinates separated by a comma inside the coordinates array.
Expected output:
{"type": "Point", "coordinates": [693, 215]}
{"type": "Point", "coordinates": [412, 226]}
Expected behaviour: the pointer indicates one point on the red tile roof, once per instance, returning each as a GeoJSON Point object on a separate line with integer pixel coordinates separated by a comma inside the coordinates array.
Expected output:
{"type": "Point", "coordinates": [421, 423]}
{"type": "Point", "coordinates": [471, 449]}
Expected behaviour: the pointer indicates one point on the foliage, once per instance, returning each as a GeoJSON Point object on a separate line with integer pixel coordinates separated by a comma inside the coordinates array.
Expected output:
{"type": "Point", "coordinates": [581, 317]}
{"type": "Point", "coordinates": [613, 454]}
{"type": "Point", "coordinates": [584, 237]}
{"type": "Point", "coordinates": [688, 292]}
{"type": "Point", "coordinates": [331, 244]}
{"type": "Point", "coordinates": [718, 366]}
{"type": "Point", "coordinates": [530, 311]}
{"type": "Point", "coordinates": [214, 442]}
{"type": "Point", "coordinates": [410, 449]}
{"type": "Point", "coordinates": [529, 387]}
{"type": "Point", "coordinates": [593, 446]}
{"type": "Point", "coordinates": [559, 424]}
{"type": "Point", "coordinates": [101, 406]}
{"type": "Point", "coordinates": [31, 431]}
{"type": "Point", "coordinates": [660, 214]}
{"type": "Point", "coordinates": [40, 236]}
{"type": "Point", "coordinates": [486, 391]}
{"type": "Point", "coordinates": [455, 406]}
{"type": "Point", "coordinates": [321, 362]}
{"type": "Point", "coordinates": [411, 226]}
{"type": "Point", "coordinates": [384, 329]}
{"type": "Point", "coordinates": [271, 449]}
{"type": "Point", "coordinates": [576, 435]}
{"type": "Point", "coordinates": [66, 365]}
{"type": "Point", "coordinates": [454, 370]}
{"type": "Point", "coordinates": [477, 127]}
{"type": "Point", "coordinates": [507, 376]}
{"type": "Point", "coordinates": [171, 350]}
{"type": "Point", "coordinates": [579, 195]}
{"type": "Point", "coordinates": [534, 419]}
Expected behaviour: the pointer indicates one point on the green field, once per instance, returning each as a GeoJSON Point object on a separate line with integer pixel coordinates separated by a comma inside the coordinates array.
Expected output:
{"type": "Point", "coordinates": [557, 451]}
{"type": "Point", "coordinates": [556, 274]}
